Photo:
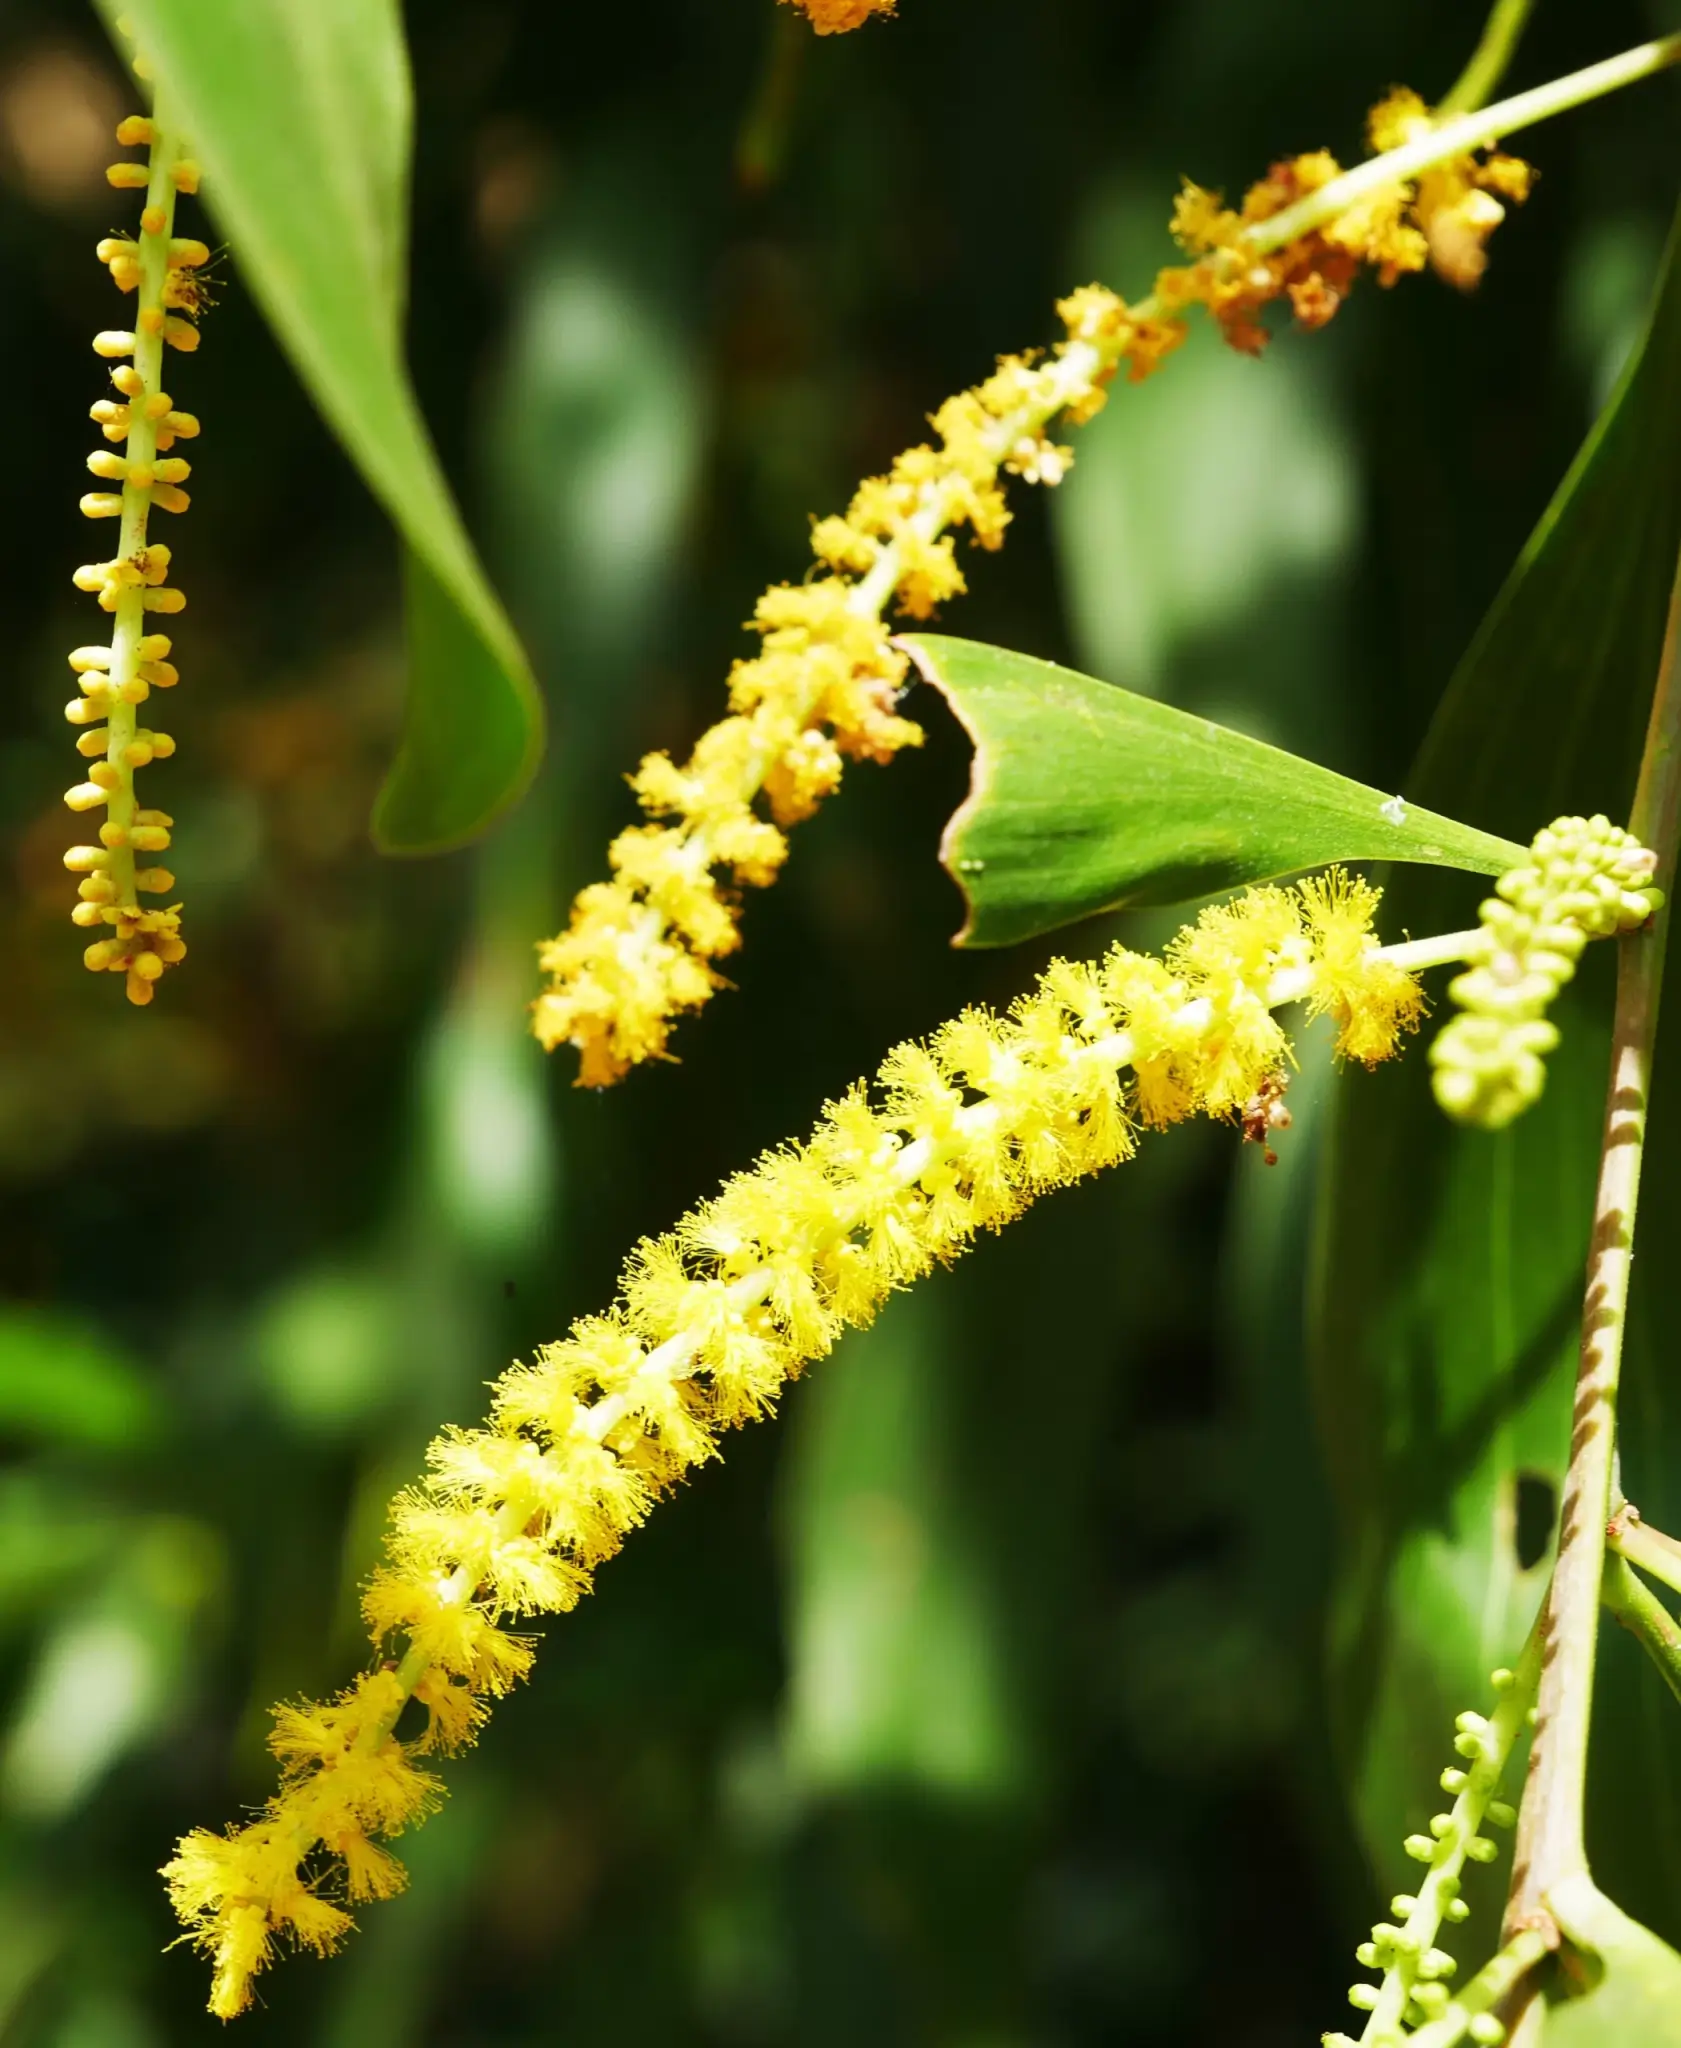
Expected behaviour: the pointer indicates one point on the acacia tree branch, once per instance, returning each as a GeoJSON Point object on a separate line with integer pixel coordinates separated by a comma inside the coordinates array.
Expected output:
{"type": "Point", "coordinates": [1551, 1844]}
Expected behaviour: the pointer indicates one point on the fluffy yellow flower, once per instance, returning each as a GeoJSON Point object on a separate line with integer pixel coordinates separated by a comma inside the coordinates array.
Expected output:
{"type": "Point", "coordinates": [161, 269]}
{"type": "Point", "coordinates": [642, 947]}
{"type": "Point", "coordinates": [835, 17]}
{"type": "Point", "coordinates": [958, 1135]}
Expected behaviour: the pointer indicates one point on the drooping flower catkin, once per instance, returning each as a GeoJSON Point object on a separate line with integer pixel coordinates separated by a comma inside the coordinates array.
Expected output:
{"type": "Point", "coordinates": [162, 270]}
{"type": "Point", "coordinates": [958, 1135]}
{"type": "Point", "coordinates": [642, 947]}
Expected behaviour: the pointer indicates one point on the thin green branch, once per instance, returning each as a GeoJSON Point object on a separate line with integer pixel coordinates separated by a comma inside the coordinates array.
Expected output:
{"type": "Point", "coordinates": [1442, 951]}
{"type": "Point", "coordinates": [1646, 1618]}
{"type": "Point", "coordinates": [1495, 50]}
{"type": "Point", "coordinates": [1551, 1843]}
{"type": "Point", "coordinates": [1654, 1552]}
{"type": "Point", "coordinates": [1492, 1984]}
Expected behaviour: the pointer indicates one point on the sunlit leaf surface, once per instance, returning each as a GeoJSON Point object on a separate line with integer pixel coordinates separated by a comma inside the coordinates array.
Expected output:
{"type": "Point", "coordinates": [1085, 797]}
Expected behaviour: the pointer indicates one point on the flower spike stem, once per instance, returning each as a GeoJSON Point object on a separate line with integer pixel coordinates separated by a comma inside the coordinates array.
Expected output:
{"type": "Point", "coordinates": [1469, 131]}
{"type": "Point", "coordinates": [1646, 1618]}
{"type": "Point", "coordinates": [1495, 50]}
{"type": "Point", "coordinates": [1471, 2013]}
{"type": "Point", "coordinates": [1551, 1843]}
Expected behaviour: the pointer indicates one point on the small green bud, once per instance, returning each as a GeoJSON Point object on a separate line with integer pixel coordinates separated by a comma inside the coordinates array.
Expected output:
{"type": "Point", "coordinates": [1420, 1848]}
{"type": "Point", "coordinates": [1363, 1997]}
{"type": "Point", "coordinates": [1481, 1850]}
{"type": "Point", "coordinates": [1486, 2031]}
{"type": "Point", "coordinates": [1436, 1962]}
{"type": "Point", "coordinates": [1503, 1680]}
{"type": "Point", "coordinates": [1585, 878]}
{"type": "Point", "coordinates": [1403, 1905]}
{"type": "Point", "coordinates": [1502, 1814]}
{"type": "Point", "coordinates": [1454, 1781]}
{"type": "Point", "coordinates": [1456, 1910]}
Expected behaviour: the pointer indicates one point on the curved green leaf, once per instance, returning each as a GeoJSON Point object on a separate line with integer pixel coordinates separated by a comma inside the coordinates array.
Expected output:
{"type": "Point", "coordinates": [299, 112]}
{"type": "Point", "coordinates": [1084, 797]}
{"type": "Point", "coordinates": [1450, 1273]}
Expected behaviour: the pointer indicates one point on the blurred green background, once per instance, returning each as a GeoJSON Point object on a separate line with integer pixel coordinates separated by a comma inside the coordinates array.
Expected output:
{"type": "Point", "coordinates": [975, 1703]}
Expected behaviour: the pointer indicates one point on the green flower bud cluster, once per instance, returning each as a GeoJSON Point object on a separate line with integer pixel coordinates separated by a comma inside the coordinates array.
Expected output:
{"type": "Point", "coordinates": [1585, 879]}
{"type": "Point", "coordinates": [1415, 1972]}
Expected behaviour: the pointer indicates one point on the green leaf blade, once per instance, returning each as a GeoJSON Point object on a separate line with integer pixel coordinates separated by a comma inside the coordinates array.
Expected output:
{"type": "Point", "coordinates": [299, 113]}
{"type": "Point", "coordinates": [1085, 797]}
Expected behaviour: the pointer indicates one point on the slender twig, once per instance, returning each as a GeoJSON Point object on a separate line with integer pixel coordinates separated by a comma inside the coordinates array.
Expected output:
{"type": "Point", "coordinates": [1654, 1552]}
{"type": "Point", "coordinates": [1495, 50]}
{"type": "Point", "coordinates": [1646, 1618]}
{"type": "Point", "coordinates": [1551, 1843]}
{"type": "Point", "coordinates": [1496, 1980]}
{"type": "Point", "coordinates": [1417, 954]}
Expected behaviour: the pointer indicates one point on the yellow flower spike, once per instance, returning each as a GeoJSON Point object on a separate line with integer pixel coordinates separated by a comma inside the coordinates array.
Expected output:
{"type": "Point", "coordinates": [957, 1135]}
{"type": "Point", "coordinates": [116, 679]}
{"type": "Point", "coordinates": [641, 949]}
